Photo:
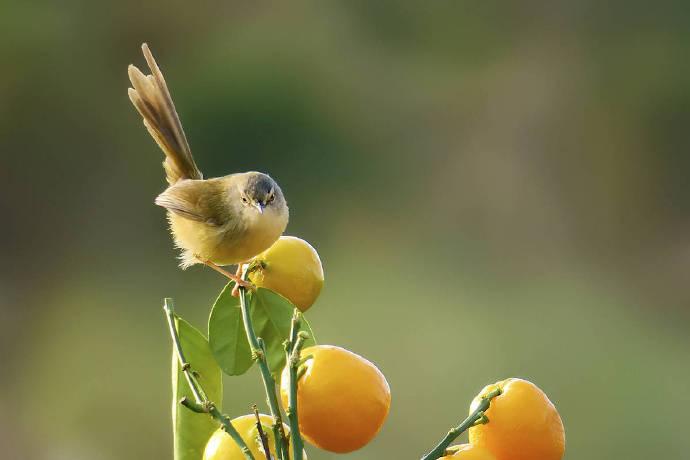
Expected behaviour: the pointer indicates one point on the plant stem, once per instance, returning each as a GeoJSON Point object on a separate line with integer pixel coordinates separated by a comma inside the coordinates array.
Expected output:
{"type": "Point", "coordinates": [476, 415]}
{"type": "Point", "coordinates": [201, 402]}
{"type": "Point", "coordinates": [293, 348]}
{"type": "Point", "coordinates": [262, 435]}
{"type": "Point", "coordinates": [259, 354]}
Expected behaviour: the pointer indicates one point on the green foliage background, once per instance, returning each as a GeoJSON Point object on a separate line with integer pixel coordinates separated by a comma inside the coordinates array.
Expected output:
{"type": "Point", "coordinates": [496, 189]}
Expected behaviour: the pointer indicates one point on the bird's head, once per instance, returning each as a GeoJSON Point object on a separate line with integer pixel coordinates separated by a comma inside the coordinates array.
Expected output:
{"type": "Point", "coordinates": [260, 191]}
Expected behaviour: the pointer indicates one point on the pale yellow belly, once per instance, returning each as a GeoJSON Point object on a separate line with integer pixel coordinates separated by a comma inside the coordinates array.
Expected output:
{"type": "Point", "coordinates": [225, 246]}
{"type": "Point", "coordinates": [254, 241]}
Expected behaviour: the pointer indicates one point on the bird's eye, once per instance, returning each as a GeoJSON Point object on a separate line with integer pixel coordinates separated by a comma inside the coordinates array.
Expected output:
{"type": "Point", "coordinates": [245, 200]}
{"type": "Point", "coordinates": [271, 197]}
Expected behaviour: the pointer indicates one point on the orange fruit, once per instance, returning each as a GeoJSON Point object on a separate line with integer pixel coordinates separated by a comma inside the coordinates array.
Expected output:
{"type": "Point", "coordinates": [222, 447]}
{"type": "Point", "coordinates": [468, 452]}
{"type": "Point", "coordinates": [292, 268]}
{"type": "Point", "coordinates": [523, 423]}
{"type": "Point", "coordinates": [342, 399]}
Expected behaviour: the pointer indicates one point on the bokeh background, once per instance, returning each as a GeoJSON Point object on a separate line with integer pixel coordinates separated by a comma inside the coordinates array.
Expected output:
{"type": "Point", "coordinates": [496, 189]}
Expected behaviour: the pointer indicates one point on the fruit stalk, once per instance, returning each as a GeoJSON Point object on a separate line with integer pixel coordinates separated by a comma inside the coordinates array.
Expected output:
{"type": "Point", "coordinates": [293, 349]}
{"type": "Point", "coordinates": [259, 355]}
{"type": "Point", "coordinates": [477, 416]}
{"type": "Point", "coordinates": [201, 403]}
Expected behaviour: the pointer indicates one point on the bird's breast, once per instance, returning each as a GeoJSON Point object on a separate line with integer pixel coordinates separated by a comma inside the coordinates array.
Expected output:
{"type": "Point", "coordinates": [259, 233]}
{"type": "Point", "coordinates": [234, 242]}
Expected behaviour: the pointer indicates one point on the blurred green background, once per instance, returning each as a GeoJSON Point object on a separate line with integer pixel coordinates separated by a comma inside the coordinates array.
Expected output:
{"type": "Point", "coordinates": [496, 189]}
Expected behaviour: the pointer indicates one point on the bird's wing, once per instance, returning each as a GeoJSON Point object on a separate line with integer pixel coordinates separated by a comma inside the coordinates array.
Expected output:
{"type": "Point", "coordinates": [198, 200]}
{"type": "Point", "coordinates": [150, 96]}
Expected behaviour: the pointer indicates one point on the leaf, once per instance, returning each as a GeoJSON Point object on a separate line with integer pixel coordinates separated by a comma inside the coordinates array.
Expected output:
{"type": "Point", "coordinates": [226, 334]}
{"type": "Point", "coordinates": [271, 316]}
{"type": "Point", "coordinates": [191, 431]}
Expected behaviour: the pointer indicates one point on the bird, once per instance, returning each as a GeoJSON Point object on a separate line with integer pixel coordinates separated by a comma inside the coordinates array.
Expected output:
{"type": "Point", "coordinates": [218, 221]}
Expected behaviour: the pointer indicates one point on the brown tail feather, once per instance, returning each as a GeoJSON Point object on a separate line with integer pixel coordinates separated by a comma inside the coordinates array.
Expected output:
{"type": "Point", "coordinates": [152, 99]}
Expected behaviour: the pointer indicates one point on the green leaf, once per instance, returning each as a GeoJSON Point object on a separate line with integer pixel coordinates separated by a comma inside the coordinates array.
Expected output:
{"type": "Point", "coordinates": [271, 316]}
{"type": "Point", "coordinates": [191, 431]}
{"type": "Point", "coordinates": [226, 334]}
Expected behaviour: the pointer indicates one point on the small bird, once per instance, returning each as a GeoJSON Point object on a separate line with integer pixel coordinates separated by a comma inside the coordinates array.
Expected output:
{"type": "Point", "coordinates": [219, 221]}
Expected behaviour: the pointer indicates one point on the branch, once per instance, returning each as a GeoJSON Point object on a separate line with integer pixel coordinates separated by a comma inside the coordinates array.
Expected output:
{"type": "Point", "coordinates": [259, 354]}
{"type": "Point", "coordinates": [201, 403]}
{"type": "Point", "coordinates": [293, 348]}
{"type": "Point", "coordinates": [262, 435]}
{"type": "Point", "coordinates": [476, 417]}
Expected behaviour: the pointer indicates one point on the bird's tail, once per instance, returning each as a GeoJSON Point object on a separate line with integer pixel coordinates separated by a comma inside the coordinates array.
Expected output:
{"type": "Point", "coordinates": [152, 99]}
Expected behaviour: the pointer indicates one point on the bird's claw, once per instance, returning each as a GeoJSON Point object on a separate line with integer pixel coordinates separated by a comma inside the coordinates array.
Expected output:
{"type": "Point", "coordinates": [242, 283]}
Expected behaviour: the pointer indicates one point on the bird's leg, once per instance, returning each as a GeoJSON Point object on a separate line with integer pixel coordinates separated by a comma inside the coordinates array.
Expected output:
{"type": "Point", "coordinates": [237, 278]}
{"type": "Point", "coordinates": [236, 287]}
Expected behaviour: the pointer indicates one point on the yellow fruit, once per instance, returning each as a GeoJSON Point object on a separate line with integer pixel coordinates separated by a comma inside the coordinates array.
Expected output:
{"type": "Point", "coordinates": [222, 447]}
{"type": "Point", "coordinates": [468, 452]}
{"type": "Point", "coordinates": [292, 268]}
{"type": "Point", "coordinates": [342, 399]}
{"type": "Point", "coordinates": [523, 423]}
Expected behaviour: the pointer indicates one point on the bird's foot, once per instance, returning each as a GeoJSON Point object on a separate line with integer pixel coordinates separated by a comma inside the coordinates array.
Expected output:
{"type": "Point", "coordinates": [236, 288]}
{"type": "Point", "coordinates": [237, 277]}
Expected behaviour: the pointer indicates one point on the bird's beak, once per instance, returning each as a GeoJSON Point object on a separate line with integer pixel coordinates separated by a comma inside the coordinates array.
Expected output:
{"type": "Point", "coordinates": [260, 207]}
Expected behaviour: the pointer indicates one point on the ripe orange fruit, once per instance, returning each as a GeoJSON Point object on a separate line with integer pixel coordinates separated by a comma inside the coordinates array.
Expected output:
{"type": "Point", "coordinates": [292, 268]}
{"type": "Point", "coordinates": [222, 447]}
{"type": "Point", "coordinates": [468, 452]}
{"type": "Point", "coordinates": [523, 423]}
{"type": "Point", "coordinates": [342, 399]}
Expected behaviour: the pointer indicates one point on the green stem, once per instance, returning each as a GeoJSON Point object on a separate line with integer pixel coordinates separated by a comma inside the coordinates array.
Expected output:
{"type": "Point", "coordinates": [201, 402]}
{"type": "Point", "coordinates": [281, 453]}
{"type": "Point", "coordinates": [293, 349]}
{"type": "Point", "coordinates": [476, 415]}
{"type": "Point", "coordinates": [259, 354]}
